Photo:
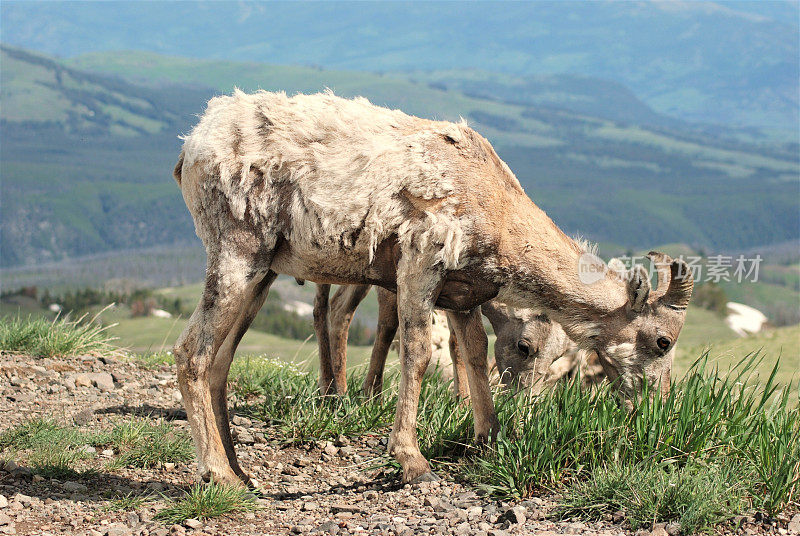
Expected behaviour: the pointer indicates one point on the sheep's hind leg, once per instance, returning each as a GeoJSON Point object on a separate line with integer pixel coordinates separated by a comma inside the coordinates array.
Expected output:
{"type": "Point", "coordinates": [321, 309]}
{"type": "Point", "coordinates": [417, 287]}
{"type": "Point", "coordinates": [472, 339]}
{"type": "Point", "coordinates": [230, 280]}
{"type": "Point", "coordinates": [343, 306]}
{"type": "Point", "coordinates": [254, 298]}
{"type": "Point", "coordinates": [387, 328]}
{"type": "Point", "coordinates": [460, 381]}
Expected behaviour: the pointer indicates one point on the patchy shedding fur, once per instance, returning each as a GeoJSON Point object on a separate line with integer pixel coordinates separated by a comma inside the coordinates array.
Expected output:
{"type": "Point", "coordinates": [348, 171]}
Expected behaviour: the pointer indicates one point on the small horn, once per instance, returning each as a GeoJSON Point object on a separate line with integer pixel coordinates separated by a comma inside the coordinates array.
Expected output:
{"type": "Point", "coordinates": [662, 263]}
{"type": "Point", "coordinates": [680, 287]}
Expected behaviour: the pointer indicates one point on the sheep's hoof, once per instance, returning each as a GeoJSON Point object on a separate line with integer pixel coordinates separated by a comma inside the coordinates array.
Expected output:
{"type": "Point", "coordinates": [426, 477]}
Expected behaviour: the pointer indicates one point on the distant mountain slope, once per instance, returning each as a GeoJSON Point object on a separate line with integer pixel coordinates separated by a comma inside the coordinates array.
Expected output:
{"type": "Point", "coordinates": [91, 172]}
{"type": "Point", "coordinates": [734, 63]}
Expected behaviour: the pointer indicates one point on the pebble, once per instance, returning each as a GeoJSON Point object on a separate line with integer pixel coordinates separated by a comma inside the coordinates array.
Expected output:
{"type": "Point", "coordinates": [659, 530]}
{"type": "Point", "coordinates": [794, 524]}
{"type": "Point", "coordinates": [3, 501]}
{"type": "Point", "coordinates": [194, 524]}
{"type": "Point", "coordinates": [514, 516]}
{"type": "Point", "coordinates": [4, 519]}
{"type": "Point", "coordinates": [118, 529]}
{"type": "Point", "coordinates": [74, 486]}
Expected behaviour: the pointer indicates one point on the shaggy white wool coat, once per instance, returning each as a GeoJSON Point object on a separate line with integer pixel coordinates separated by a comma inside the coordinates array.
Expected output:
{"type": "Point", "coordinates": [345, 160]}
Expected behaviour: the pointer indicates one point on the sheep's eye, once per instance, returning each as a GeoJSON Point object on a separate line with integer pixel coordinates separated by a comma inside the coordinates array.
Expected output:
{"type": "Point", "coordinates": [663, 343]}
{"type": "Point", "coordinates": [523, 347]}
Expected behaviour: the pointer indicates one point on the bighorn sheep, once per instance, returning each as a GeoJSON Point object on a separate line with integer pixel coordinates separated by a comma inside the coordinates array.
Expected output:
{"type": "Point", "coordinates": [341, 191]}
{"type": "Point", "coordinates": [526, 346]}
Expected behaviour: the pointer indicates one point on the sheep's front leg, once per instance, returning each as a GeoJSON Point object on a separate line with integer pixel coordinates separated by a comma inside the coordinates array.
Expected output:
{"type": "Point", "coordinates": [415, 297]}
{"type": "Point", "coordinates": [387, 328]}
{"type": "Point", "coordinates": [472, 339]}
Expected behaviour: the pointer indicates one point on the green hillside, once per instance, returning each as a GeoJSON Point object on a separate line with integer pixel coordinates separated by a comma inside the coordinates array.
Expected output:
{"type": "Point", "coordinates": [730, 63]}
{"type": "Point", "coordinates": [77, 182]}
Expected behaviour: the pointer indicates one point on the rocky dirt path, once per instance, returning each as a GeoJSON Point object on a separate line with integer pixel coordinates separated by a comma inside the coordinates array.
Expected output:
{"type": "Point", "coordinates": [320, 488]}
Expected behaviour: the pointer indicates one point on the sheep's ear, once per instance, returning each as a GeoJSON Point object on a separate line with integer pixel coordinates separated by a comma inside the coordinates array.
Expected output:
{"type": "Point", "coordinates": [638, 288]}
{"type": "Point", "coordinates": [616, 265]}
{"type": "Point", "coordinates": [497, 313]}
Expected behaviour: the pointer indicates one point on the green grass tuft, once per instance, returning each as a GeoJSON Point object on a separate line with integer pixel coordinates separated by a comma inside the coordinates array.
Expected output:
{"type": "Point", "coordinates": [129, 501]}
{"type": "Point", "coordinates": [695, 495]}
{"type": "Point", "coordinates": [54, 449]}
{"type": "Point", "coordinates": [143, 444]}
{"type": "Point", "coordinates": [288, 398]}
{"type": "Point", "coordinates": [204, 501]}
{"type": "Point", "coordinates": [38, 336]}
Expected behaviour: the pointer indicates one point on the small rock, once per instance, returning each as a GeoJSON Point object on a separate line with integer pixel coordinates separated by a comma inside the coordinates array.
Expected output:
{"type": "Point", "coordinates": [241, 421]}
{"type": "Point", "coordinates": [336, 507]}
{"type": "Point", "coordinates": [342, 441]}
{"type": "Point", "coordinates": [117, 529]}
{"type": "Point", "coordinates": [310, 506]}
{"type": "Point", "coordinates": [474, 512]}
{"type": "Point", "coordinates": [431, 501]}
{"type": "Point", "coordinates": [329, 527]}
{"type": "Point", "coordinates": [497, 532]}
{"type": "Point", "coordinates": [463, 528]}
{"type": "Point", "coordinates": [331, 450]}
{"type": "Point", "coordinates": [370, 495]}
{"type": "Point", "coordinates": [21, 498]}
{"type": "Point", "coordinates": [177, 529]}
{"type": "Point", "coordinates": [243, 436]}
{"type": "Point", "coordinates": [673, 529]}
{"type": "Point", "coordinates": [83, 417]}
{"type": "Point", "coordinates": [169, 466]}
{"type": "Point", "coordinates": [4, 520]}
{"type": "Point", "coordinates": [132, 519]}
{"type": "Point", "coordinates": [83, 380]}
{"type": "Point", "coordinates": [10, 466]}
{"type": "Point", "coordinates": [193, 524]}
{"type": "Point", "coordinates": [107, 453]}
{"type": "Point", "coordinates": [514, 516]}
{"type": "Point", "coordinates": [618, 516]}
{"type": "Point", "coordinates": [3, 501]}
{"type": "Point", "coordinates": [794, 525]}
{"type": "Point", "coordinates": [103, 381]}
{"type": "Point", "coordinates": [659, 530]}
{"type": "Point", "coordinates": [74, 486]}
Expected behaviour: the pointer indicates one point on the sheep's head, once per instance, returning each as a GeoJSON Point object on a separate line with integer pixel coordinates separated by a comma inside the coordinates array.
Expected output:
{"type": "Point", "coordinates": [526, 345]}
{"type": "Point", "coordinates": [636, 343]}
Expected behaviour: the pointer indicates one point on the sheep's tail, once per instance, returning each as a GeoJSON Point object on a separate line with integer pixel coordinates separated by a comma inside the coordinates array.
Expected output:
{"type": "Point", "coordinates": [176, 173]}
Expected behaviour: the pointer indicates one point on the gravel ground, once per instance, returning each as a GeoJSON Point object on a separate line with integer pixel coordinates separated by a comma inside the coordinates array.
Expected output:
{"type": "Point", "coordinates": [322, 488]}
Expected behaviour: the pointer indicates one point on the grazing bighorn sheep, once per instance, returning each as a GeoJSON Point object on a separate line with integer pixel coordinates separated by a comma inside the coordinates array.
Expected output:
{"type": "Point", "coordinates": [526, 345]}
{"type": "Point", "coordinates": [341, 191]}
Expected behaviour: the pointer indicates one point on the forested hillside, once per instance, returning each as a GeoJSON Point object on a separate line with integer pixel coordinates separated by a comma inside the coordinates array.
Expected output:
{"type": "Point", "coordinates": [733, 63]}
{"type": "Point", "coordinates": [88, 148]}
